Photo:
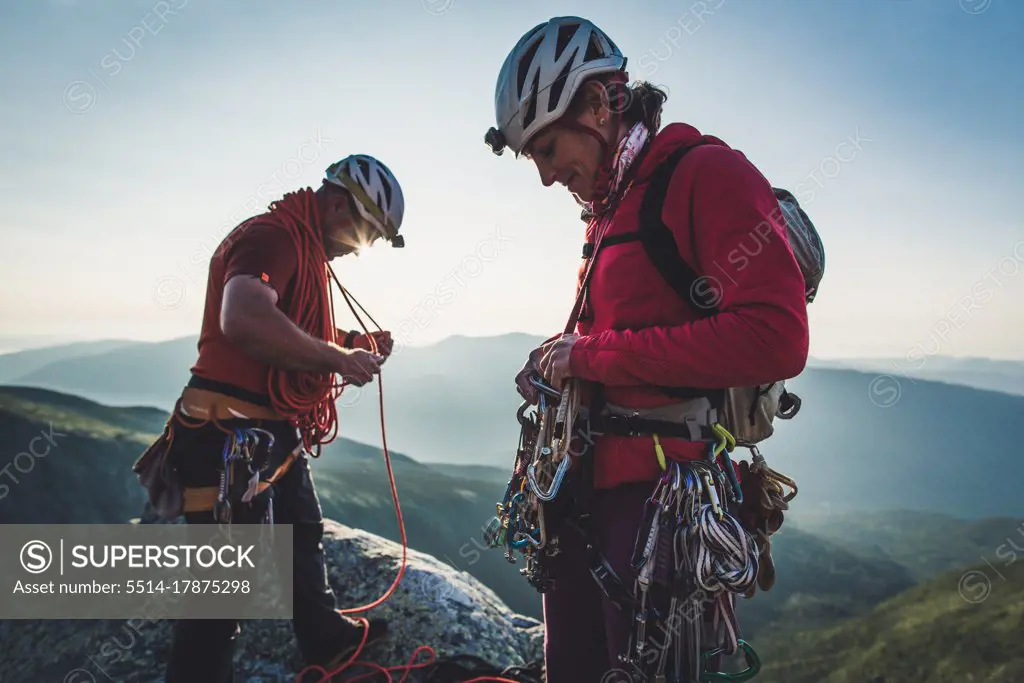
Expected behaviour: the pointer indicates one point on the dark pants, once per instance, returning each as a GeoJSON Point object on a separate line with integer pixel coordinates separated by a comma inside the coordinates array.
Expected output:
{"type": "Point", "coordinates": [203, 649]}
{"type": "Point", "coordinates": [585, 632]}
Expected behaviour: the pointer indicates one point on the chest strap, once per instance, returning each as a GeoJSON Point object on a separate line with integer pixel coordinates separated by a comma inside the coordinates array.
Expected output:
{"type": "Point", "coordinates": [610, 241]}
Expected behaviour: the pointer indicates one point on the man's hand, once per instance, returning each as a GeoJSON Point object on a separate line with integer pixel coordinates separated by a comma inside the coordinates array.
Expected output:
{"type": "Point", "coordinates": [554, 362]}
{"type": "Point", "coordinates": [356, 366]}
{"type": "Point", "coordinates": [382, 339]}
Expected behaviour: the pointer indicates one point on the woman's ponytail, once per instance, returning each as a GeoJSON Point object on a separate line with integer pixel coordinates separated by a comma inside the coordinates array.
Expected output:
{"type": "Point", "coordinates": [644, 104]}
{"type": "Point", "coordinates": [640, 102]}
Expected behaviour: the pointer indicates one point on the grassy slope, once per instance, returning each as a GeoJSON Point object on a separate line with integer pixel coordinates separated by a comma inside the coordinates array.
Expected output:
{"type": "Point", "coordinates": [929, 633]}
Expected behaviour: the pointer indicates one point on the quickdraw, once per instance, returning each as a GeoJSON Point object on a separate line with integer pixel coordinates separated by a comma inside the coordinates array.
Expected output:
{"type": "Point", "coordinates": [693, 557]}
{"type": "Point", "coordinates": [542, 463]}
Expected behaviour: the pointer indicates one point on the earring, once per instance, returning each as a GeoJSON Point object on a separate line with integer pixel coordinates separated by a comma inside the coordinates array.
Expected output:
{"type": "Point", "coordinates": [600, 122]}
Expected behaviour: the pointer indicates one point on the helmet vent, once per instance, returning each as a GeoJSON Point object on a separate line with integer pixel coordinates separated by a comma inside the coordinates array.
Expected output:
{"type": "Point", "coordinates": [559, 83]}
{"type": "Point", "coordinates": [364, 168]}
{"type": "Point", "coordinates": [594, 50]}
{"type": "Point", "coordinates": [524, 68]}
{"type": "Point", "coordinates": [565, 34]}
{"type": "Point", "coordinates": [531, 110]}
{"type": "Point", "coordinates": [386, 184]}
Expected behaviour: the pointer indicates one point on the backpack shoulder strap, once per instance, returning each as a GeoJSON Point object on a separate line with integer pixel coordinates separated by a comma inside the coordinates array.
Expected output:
{"type": "Point", "coordinates": [660, 244]}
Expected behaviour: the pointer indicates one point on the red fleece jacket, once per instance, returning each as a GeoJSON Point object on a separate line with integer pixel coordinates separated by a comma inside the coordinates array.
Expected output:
{"type": "Point", "coordinates": [637, 332]}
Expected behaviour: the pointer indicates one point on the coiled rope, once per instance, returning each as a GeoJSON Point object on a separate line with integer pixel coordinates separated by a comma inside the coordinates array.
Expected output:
{"type": "Point", "coordinates": [306, 399]}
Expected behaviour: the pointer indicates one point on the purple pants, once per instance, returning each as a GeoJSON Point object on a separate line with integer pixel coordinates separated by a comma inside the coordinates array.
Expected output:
{"type": "Point", "coordinates": [585, 632]}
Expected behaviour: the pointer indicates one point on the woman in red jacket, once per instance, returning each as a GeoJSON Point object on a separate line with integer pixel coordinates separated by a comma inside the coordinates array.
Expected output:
{"type": "Point", "coordinates": [562, 101]}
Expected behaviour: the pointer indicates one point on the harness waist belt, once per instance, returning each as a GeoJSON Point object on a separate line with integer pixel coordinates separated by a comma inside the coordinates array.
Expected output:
{"type": "Point", "coordinates": [205, 400]}
{"type": "Point", "coordinates": [204, 404]}
{"type": "Point", "coordinates": [692, 420]}
{"type": "Point", "coordinates": [629, 425]}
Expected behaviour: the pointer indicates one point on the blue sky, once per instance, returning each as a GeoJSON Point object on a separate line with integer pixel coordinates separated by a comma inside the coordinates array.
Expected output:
{"type": "Point", "coordinates": [135, 134]}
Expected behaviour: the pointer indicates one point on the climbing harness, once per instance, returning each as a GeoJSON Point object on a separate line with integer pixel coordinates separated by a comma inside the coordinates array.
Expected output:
{"type": "Point", "coordinates": [695, 550]}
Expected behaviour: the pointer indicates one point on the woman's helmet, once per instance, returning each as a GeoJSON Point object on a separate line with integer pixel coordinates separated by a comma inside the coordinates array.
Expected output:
{"type": "Point", "coordinates": [378, 196]}
{"type": "Point", "coordinates": [541, 75]}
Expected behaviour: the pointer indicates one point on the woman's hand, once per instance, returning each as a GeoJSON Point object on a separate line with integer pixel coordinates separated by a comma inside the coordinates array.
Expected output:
{"type": "Point", "coordinates": [554, 362]}
{"type": "Point", "coordinates": [531, 367]}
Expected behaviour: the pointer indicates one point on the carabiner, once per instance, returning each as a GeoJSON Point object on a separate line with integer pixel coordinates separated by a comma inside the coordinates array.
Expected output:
{"type": "Point", "coordinates": [527, 539]}
{"type": "Point", "coordinates": [549, 495]}
{"type": "Point", "coordinates": [660, 452]}
{"type": "Point", "coordinates": [730, 473]}
{"type": "Point", "coordinates": [521, 413]}
{"type": "Point", "coordinates": [544, 387]}
{"type": "Point", "coordinates": [256, 431]}
{"type": "Point", "coordinates": [752, 660]}
{"type": "Point", "coordinates": [726, 440]}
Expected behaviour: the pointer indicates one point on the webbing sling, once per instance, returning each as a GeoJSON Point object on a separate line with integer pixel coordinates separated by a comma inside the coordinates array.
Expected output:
{"type": "Point", "coordinates": [607, 580]}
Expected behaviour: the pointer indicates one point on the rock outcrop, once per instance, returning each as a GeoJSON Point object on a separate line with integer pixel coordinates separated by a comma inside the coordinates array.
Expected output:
{"type": "Point", "coordinates": [433, 605]}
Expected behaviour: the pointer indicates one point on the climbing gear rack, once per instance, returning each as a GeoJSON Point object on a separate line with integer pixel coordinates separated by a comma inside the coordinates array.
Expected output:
{"type": "Point", "coordinates": [703, 540]}
{"type": "Point", "coordinates": [542, 463]}
{"type": "Point", "coordinates": [243, 461]}
{"type": "Point", "coordinates": [691, 558]}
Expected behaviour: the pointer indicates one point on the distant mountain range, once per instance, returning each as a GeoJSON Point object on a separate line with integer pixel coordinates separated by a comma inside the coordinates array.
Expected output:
{"type": "Point", "coordinates": [863, 439]}
{"type": "Point", "coordinates": [14, 366]}
{"type": "Point", "coordinates": [980, 373]}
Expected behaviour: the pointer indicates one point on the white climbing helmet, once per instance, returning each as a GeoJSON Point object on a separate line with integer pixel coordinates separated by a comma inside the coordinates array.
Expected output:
{"type": "Point", "coordinates": [377, 193]}
{"type": "Point", "coordinates": [541, 75]}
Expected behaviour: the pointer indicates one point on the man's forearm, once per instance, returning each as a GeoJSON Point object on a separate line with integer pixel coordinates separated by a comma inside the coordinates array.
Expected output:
{"type": "Point", "coordinates": [272, 338]}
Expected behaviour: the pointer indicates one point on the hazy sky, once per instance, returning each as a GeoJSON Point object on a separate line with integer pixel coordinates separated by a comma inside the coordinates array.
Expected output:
{"type": "Point", "coordinates": [134, 135]}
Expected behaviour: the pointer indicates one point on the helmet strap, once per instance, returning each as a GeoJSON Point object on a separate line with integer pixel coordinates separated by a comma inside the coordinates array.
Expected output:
{"type": "Point", "coordinates": [606, 164]}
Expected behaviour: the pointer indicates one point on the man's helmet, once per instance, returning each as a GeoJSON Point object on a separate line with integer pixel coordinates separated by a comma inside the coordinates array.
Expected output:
{"type": "Point", "coordinates": [542, 74]}
{"type": "Point", "coordinates": [378, 196]}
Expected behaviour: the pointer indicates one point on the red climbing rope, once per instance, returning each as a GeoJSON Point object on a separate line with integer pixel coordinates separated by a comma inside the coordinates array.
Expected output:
{"type": "Point", "coordinates": [307, 398]}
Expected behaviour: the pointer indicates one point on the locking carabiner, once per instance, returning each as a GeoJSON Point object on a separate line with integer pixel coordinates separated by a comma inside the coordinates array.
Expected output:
{"type": "Point", "coordinates": [753, 663]}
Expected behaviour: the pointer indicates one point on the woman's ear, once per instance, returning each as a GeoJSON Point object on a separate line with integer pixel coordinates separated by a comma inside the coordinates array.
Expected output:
{"type": "Point", "coordinates": [597, 99]}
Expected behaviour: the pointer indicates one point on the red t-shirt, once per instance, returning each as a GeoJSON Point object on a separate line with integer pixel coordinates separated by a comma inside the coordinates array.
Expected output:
{"type": "Point", "coordinates": [255, 248]}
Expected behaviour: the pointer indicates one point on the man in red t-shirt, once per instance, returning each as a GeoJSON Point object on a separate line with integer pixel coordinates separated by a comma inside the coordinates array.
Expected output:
{"type": "Point", "coordinates": [266, 318]}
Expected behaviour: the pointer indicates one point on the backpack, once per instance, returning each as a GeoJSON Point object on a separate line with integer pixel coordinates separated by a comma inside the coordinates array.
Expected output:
{"type": "Point", "coordinates": [747, 413]}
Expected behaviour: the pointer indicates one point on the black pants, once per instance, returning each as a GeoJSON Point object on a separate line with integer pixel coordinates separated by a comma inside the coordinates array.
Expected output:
{"type": "Point", "coordinates": [203, 649]}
